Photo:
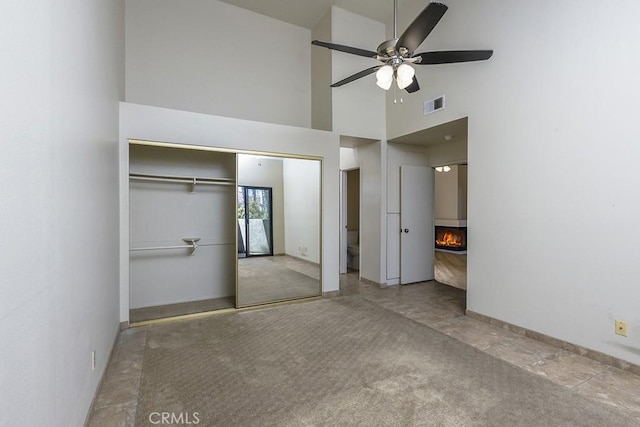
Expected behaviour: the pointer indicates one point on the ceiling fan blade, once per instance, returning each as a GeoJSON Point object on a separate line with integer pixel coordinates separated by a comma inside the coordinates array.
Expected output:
{"type": "Point", "coordinates": [453, 56]}
{"type": "Point", "coordinates": [357, 76]}
{"type": "Point", "coordinates": [414, 86]}
{"type": "Point", "coordinates": [420, 28]}
{"type": "Point", "coordinates": [347, 49]}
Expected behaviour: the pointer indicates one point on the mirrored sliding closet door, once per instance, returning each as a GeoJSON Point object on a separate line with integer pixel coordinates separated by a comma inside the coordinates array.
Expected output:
{"type": "Point", "coordinates": [278, 228]}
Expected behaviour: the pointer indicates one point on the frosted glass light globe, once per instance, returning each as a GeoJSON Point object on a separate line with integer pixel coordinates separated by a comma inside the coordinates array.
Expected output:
{"type": "Point", "coordinates": [385, 77]}
{"type": "Point", "coordinates": [404, 75]}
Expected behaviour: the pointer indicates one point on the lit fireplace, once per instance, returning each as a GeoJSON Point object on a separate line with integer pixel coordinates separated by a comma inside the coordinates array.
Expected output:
{"type": "Point", "coordinates": [451, 238]}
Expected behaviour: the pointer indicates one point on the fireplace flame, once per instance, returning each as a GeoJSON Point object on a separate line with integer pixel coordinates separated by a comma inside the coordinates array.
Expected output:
{"type": "Point", "coordinates": [449, 239]}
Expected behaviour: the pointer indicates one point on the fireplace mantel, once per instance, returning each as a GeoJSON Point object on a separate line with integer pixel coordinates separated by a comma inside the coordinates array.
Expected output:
{"type": "Point", "coordinates": [450, 222]}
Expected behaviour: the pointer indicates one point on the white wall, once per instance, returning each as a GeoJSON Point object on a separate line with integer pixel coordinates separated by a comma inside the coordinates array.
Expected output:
{"type": "Point", "coordinates": [321, 91]}
{"type": "Point", "coordinates": [447, 202]}
{"type": "Point", "coordinates": [359, 111]}
{"type": "Point", "coordinates": [372, 201]}
{"type": "Point", "coordinates": [302, 208]}
{"type": "Point", "coordinates": [462, 191]}
{"type": "Point", "coordinates": [359, 106]}
{"type": "Point", "coordinates": [210, 57]}
{"type": "Point", "coordinates": [447, 153]}
{"type": "Point", "coordinates": [181, 127]}
{"type": "Point", "coordinates": [349, 158]}
{"type": "Point", "coordinates": [266, 172]}
{"type": "Point", "coordinates": [400, 155]}
{"type": "Point", "coordinates": [61, 74]}
{"type": "Point", "coordinates": [553, 156]}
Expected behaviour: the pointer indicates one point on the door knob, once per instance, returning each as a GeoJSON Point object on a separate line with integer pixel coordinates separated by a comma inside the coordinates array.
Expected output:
{"type": "Point", "coordinates": [406, 230]}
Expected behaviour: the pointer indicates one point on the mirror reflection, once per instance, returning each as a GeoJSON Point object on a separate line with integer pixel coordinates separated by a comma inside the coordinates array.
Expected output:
{"type": "Point", "coordinates": [278, 222]}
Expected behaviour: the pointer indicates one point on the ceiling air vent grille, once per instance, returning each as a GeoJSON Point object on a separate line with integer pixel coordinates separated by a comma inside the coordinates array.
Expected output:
{"type": "Point", "coordinates": [433, 105]}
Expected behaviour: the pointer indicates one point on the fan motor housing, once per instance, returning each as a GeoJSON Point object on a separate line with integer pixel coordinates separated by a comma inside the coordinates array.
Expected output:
{"type": "Point", "coordinates": [388, 48]}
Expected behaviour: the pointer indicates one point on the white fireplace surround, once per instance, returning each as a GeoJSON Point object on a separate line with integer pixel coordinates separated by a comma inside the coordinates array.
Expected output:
{"type": "Point", "coordinates": [450, 222]}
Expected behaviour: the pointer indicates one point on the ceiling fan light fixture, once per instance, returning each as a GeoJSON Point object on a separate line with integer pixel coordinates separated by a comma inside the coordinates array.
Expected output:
{"type": "Point", "coordinates": [386, 85]}
{"type": "Point", "coordinates": [404, 75]}
{"type": "Point", "coordinates": [385, 77]}
{"type": "Point", "coordinates": [398, 53]}
{"type": "Point", "coordinates": [406, 72]}
{"type": "Point", "coordinates": [404, 83]}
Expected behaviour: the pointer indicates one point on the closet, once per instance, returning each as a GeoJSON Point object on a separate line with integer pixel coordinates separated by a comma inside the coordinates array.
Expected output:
{"type": "Point", "coordinates": [186, 231]}
{"type": "Point", "coordinates": [182, 231]}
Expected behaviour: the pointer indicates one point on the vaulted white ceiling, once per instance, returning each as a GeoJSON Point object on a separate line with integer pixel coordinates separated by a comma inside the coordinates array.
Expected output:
{"type": "Point", "coordinates": [307, 13]}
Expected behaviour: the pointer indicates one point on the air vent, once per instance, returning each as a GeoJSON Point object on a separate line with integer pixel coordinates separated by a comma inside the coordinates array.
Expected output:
{"type": "Point", "coordinates": [433, 105]}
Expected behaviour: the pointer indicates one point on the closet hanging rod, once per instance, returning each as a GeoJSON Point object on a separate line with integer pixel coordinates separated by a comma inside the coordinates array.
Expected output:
{"type": "Point", "coordinates": [182, 179]}
{"type": "Point", "coordinates": [155, 248]}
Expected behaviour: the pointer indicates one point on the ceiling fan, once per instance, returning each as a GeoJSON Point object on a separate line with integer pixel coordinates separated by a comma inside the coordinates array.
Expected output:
{"type": "Point", "coordinates": [396, 54]}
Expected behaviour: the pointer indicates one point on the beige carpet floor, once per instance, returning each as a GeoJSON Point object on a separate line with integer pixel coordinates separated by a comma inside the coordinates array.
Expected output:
{"type": "Point", "coordinates": [343, 362]}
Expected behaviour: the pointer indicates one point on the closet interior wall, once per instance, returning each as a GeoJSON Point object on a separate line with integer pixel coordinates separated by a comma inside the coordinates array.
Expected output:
{"type": "Point", "coordinates": [165, 213]}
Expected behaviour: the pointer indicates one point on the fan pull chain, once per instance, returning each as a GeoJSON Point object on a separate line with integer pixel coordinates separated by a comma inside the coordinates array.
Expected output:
{"type": "Point", "coordinates": [395, 97]}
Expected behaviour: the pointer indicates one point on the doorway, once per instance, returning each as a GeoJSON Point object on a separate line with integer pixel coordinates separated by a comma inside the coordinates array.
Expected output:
{"type": "Point", "coordinates": [350, 221]}
{"type": "Point", "coordinates": [446, 152]}
{"type": "Point", "coordinates": [255, 225]}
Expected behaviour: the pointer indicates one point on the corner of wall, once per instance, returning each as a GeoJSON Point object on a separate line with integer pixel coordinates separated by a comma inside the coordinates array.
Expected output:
{"type": "Point", "coordinates": [321, 92]}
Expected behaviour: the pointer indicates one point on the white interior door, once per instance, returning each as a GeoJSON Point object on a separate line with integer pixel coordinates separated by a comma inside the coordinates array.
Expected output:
{"type": "Point", "coordinates": [416, 224]}
{"type": "Point", "coordinates": [343, 222]}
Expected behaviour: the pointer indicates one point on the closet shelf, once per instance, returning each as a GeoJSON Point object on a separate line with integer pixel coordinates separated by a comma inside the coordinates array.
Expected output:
{"type": "Point", "coordinates": [193, 181]}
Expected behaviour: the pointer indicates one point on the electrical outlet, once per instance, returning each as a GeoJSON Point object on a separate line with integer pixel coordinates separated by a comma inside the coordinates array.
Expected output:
{"type": "Point", "coordinates": [93, 360]}
{"type": "Point", "coordinates": [621, 328]}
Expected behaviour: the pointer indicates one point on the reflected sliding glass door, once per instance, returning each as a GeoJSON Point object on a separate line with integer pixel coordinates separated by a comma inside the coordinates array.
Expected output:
{"type": "Point", "coordinates": [255, 228]}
